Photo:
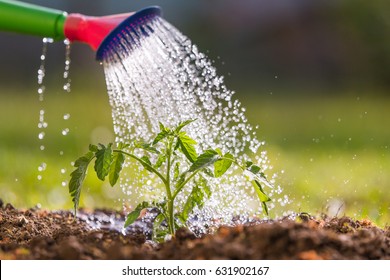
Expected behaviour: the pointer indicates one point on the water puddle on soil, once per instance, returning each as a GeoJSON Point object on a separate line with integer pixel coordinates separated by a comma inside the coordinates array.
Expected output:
{"type": "Point", "coordinates": [155, 73]}
{"type": "Point", "coordinates": [114, 221]}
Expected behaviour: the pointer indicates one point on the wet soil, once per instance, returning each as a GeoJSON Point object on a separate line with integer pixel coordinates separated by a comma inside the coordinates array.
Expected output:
{"type": "Point", "coordinates": [40, 234]}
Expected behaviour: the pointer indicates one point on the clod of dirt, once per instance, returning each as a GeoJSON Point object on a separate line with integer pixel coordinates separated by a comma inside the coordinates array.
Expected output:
{"type": "Point", "coordinates": [41, 234]}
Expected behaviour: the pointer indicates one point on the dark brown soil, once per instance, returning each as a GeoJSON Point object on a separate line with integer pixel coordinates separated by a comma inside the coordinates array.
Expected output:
{"type": "Point", "coordinates": [40, 234]}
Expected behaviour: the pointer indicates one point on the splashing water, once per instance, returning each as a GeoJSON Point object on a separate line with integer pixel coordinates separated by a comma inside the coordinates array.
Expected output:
{"type": "Point", "coordinates": [161, 76]}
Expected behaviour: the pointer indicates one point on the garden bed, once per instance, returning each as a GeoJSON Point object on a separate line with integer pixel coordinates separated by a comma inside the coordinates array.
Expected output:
{"type": "Point", "coordinates": [41, 234]}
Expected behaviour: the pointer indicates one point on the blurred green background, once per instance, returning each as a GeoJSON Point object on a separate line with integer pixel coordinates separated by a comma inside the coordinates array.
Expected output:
{"type": "Point", "coordinates": [314, 75]}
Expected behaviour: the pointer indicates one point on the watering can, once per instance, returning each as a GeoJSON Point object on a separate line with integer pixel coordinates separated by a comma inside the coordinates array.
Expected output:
{"type": "Point", "coordinates": [97, 32]}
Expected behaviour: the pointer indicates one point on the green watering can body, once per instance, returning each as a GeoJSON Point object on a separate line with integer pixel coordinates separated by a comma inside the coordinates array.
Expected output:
{"type": "Point", "coordinates": [97, 32]}
{"type": "Point", "coordinates": [31, 19]}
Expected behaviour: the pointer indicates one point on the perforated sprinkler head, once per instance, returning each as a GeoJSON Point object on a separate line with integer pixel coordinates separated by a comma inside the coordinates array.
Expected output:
{"type": "Point", "coordinates": [128, 31]}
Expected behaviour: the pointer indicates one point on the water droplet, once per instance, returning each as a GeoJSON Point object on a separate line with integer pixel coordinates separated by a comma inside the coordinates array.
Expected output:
{"type": "Point", "coordinates": [47, 40]}
{"type": "Point", "coordinates": [149, 81]}
{"type": "Point", "coordinates": [41, 135]}
{"type": "Point", "coordinates": [65, 131]}
{"type": "Point", "coordinates": [42, 167]}
{"type": "Point", "coordinates": [67, 84]}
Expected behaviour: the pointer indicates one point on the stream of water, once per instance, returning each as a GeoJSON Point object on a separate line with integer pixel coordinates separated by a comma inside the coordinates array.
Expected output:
{"type": "Point", "coordinates": [157, 74]}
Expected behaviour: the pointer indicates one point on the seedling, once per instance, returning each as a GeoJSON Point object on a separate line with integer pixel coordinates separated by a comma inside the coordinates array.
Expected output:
{"type": "Point", "coordinates": [174, 171]}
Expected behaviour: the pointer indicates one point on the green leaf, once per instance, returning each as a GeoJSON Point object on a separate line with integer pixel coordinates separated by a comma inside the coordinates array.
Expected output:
{"type": "Point", "coordinates": [157, 226]}
{"type": "Point", "coordinates": [146, 147]}
{"type": "Point", "coordinates": [145, 159]}
{"type": "Point", "coordinates": [177, 145]}
{"type": "Point", "coordinates": [205, 187]}
{"type": "Point", "coordinates": [183, 124]}
{"type": "Point", "coordinates": [160, 136]}
{"type": "Point", "coordinates": [260, 192]}
{"type": "Point", "coordinates": [208, 172]}
{"type": "Point", "coordinates": [204, 160]}
{"type": "Point", "coordinates": [186, 144]}
{"type": "Point", "coordinates": [218, 150]}
{"type": "Point", "coordinates": [162, 127]}
{"type": "Point", "coordinates": [103, 161]}
{"type": "Point", "coordinates": [265, 208]}
{"type": "Point", "coordinates": [122, 146]}
{"type": "Point", "coordinates": [133, 215]}
{"type": "Point", "coordinates": [194, 199]}
{"type": "Point", "coordinates": [176, 170]}
{"type": "Point", "coordinates": [93, 148]}
{"type": "Point", "coordinates": [248, 164]}
{"type": "Point", "coordinates": [254, 169]}
{"type": "Point", "coordinates": [181, 179]}
{"type": "Point", "coordinates": [116, 167]}
{"type": "Point", "coordinates": [222, 165]}
{"type": "Point", "coordinates": [77, 178]}
{"type": "Point", "coordinates": [160, 160]}
{"type": "Point", "coordinates": [261, 195]}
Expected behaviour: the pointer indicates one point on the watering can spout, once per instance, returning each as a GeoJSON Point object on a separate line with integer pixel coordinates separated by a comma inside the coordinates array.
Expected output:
{"type": "Point", "coordinates": [35, 20]}
{"type": "Point", "coordinates": [91, 30]}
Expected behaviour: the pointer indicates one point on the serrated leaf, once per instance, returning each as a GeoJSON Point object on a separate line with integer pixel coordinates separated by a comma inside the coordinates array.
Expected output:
{"type": "Point", "coordinates": [254, 169]}
{"type": "Point", "coordinates": [194, 199]}
{"type": "Point", "coordinates": [133, 215]}
{"type": "Point", "coordinates": [222, 165]}
{"type": "Point", "coordinates": [208, 172]}
{"type": "Point", "coordinates": [116, 167]}
{"type": "Point", "coordinates": [103, 161]}
{"type": "Point", "coordinates": [145, 159]}
{"type": "Point", "coordinates": [93, 148]}
{"type": "Point", "coordinates": [265, 208]}
{"type": "Point", "coordinates": [205, 187]}
{"type": "Point", "coordinates": [77, 178]}
{"type": "Point", "coordinates": [187, 147]}
{"type": "Point", "coordinates": [160, 136]}
{"type": "Point", "coordinates": [204, 160]}
{"type": "Point", "coordinates": [218, 150]}
{"type": "Point", "coordinates": [181, 179]}
{"type": "Point", "coordinates": [177, 145]}
{"type": "Point", "coordinates": [160, 160]}
{"type": "Point", "coordinates": [157, 221]}
{"type": "Point", "coordinates": [146, 147]}
{"type": "Point", "coordinates": [176, 170]}
{"type": "Point", "coordinates": [183, 124]}
{"type": "Point", "coordinates": [122, 146]}
{"type": "Point", "coordinates": [260, 192]}
{"type": "Point", "coordinates": [262, 196]}
{"type": "Point", "coordinates": [162, 127]}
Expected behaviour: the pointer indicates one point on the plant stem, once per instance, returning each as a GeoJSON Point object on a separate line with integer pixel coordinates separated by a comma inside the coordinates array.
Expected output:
{"type": "Point", "coordinates": [171, 222]}
{"type": "Point", "coordinates": [143, 163]}
{"type": "Point", "coordinates": [180, 187]}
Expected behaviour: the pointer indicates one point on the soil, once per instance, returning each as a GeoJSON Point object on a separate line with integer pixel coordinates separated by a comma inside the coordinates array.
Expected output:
{"type": "Point", "coordinates": [41, 234]}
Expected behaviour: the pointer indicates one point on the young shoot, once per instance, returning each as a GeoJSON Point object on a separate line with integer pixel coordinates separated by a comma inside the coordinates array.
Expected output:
{"type": "Point", "coordinates": [173, 170]}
